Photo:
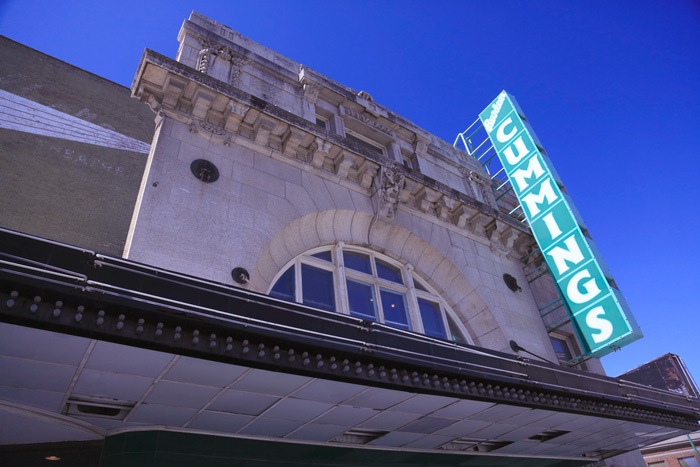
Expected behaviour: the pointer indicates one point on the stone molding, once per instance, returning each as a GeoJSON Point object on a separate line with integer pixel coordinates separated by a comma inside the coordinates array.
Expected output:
{"type": "Point", "coordinates": [367, 121]}
{"type": "Point", "coordinates": [211, 51]}
{"type": "Point", "coordinates": [224, 114]}
{"type": "Point", "coordinates": [388, 193]}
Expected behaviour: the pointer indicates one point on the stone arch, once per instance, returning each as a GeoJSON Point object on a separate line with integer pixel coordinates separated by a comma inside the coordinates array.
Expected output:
{"type": "Point", "coordinates": [361, 228]}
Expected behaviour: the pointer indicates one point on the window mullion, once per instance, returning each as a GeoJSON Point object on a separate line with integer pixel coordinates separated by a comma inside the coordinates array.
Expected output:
{"type": "Point", "coordinates": [341, 285]}
{"type": "Point", "coordinates": [413, 311]}
{"type": "Point", "coordinates": [298, 290]}
{"type": "Point", "coordinates": [378, 298]}
{"type": "Point", "coordinates": [445, 323]}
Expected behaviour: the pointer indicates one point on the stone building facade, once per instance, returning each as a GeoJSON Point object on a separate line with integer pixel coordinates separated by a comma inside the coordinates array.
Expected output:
{"type": "Point", "coordinates": [306, 278]}
{"type": "Point", "coordinates": [303, 163]}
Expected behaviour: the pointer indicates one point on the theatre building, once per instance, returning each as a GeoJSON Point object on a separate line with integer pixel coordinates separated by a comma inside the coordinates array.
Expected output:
{"type": "Point", "coordinates": [240, 261]}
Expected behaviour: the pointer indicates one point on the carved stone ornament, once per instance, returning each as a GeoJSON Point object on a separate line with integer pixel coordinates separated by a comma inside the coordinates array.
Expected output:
{"type": "Point", "coordinates": [365, 95]}
{"type": "Point", "coordinates": [496, 246]}
{"type": "Point", "coordinates": [237, 64]}
{"type": "Point", "coordinates": [368, 121]}
{"type": "Point", "coordinates": [366, 100]}
{"type": "Point", "coordinates": [482, 187]}
{"type": "Point", "coordinates": [213, 129]}
{"type": "Point", "coordinates": [311, 92]}
{"type": "Point", "coordinates": [391, 182]}
{"type": "Point", "coordinates": [206, 58]}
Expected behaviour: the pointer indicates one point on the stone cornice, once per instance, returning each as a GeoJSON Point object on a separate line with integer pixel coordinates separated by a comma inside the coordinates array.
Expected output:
{"type": "Point", "coordinates": [223, 113]}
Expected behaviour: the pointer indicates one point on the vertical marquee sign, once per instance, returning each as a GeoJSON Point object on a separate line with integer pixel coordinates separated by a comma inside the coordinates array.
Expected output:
{"type": "Point", "coordinates": [597, 309]}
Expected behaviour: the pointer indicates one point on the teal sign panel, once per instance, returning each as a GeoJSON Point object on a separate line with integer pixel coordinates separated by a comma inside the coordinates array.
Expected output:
{"type": "Point", "coordinates": [597, 309]}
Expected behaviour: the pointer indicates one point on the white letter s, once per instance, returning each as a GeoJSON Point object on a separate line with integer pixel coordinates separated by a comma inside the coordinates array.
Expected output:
{"type": "Point", "coordinates": [603, 326]}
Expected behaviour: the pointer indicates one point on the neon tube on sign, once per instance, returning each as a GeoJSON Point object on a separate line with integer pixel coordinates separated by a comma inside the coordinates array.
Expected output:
{"type": "Point", "coordinates": [597, 309]}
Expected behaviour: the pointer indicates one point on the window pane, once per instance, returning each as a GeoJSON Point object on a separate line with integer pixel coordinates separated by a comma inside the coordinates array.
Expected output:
{"type": "Point", "coordinates": [324, 255]}
{"type": "Point", "coordinates": [361, 300]}
{"type": "Point", "coordinates": [688, 462]}
{"type": "Point", "coordinates": [419, 285]}
{"type": "Point", "coordinates": [357, 261]}
{"type": "Point", "coordinates": [317, 287]}
{"type": "Point", "coordinates": [284, 287]}
{"type": "Point", "coordinates": [455, 333]}
{"type": "Point", "coordinates": [394, 306]}
{"type": "Point", "coordinates": [657, 464]}
{"type": "Point", "coordinates": [388, 272]}
{"type": "Point", "coordinates": [432, 318]}
{"type": "Point", "coordinates": [364, 144]}
{"type": "Point", "coordinates": [561, 349]}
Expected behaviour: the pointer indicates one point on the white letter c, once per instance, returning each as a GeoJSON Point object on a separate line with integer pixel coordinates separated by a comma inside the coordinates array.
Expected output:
{"type": "Point", "coordinates": [501, 135]}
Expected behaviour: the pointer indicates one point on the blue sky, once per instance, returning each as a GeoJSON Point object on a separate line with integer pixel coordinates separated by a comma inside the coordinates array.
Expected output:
{"type": "Point", "coordinates": [612, 89]}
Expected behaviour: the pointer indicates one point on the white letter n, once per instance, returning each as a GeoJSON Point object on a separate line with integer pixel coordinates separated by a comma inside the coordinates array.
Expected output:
{"type": "Point", "coordinates": [561, 256]}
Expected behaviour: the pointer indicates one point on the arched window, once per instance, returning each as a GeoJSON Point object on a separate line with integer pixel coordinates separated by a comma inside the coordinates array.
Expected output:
{"type": "Point", "coordinates": [366, 285]}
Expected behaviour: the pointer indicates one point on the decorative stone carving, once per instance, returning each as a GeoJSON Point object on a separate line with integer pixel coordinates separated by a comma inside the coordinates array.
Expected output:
{"type": "Point", "coordinates": [497, 233]}
{"type": "Point", "coordinates": [366, 172]}
{"type": "Point", "coordinates": [366, 100]}
{"type": "Point", "coordinates": [318, 151]}
{"type": "Point", "coordinates": [391, 182]}
{"type": "Point", "coordinates": [481, 187]}
{"type": "Point", "coordinates": [365, 95]}
{"type": "Point", "coordinates": [213, 129]}
{"type": "Point", "coordinates": [238, 108]}
{"type": "Point", "coordinates": [237, 64]}
{"type": "Point", "coordinates": [499, 249]}
{"type": "Point", "coordinates": [311, 92]}
{"type": "Point", "coordinates": [444, 207]}
{"type": "Point", "coordinates": [426, 198]}
{"type": "Point", "coordinates": [368, 121]}
{"type": "Point", "coordinates": [291, 139]}
{"type": "Point", "coordinates": [461, 216]}
{"type": "Point", "coordinates": [421, 147]}
{"type": "Point", "coordinates": [206, 58]}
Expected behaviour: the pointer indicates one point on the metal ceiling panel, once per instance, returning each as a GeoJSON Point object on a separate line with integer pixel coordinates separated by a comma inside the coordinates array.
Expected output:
{"type": "Point", "coordinates": [157, 414]}
{"type": "Point", "coordinates": [333, 392]}
{"type": "Point", "coordinates": [119, 358]}
{"type": "Point", "coordinates": [207, 373]}
{"type": "Point", "coordinates": [46, 400]}
{"type": "Point", "coordinates": [396, 439]}
{"type": "Point", "coordinates": [378, 398]}
{"type": "Point", "coordinates": [181, 394]}
{"type": "Point", "coordinates": [33, 374]}
{"type": "Point", "coordinates": [424, 404]}
{"type": "Point", "coordinates": [244, 403]}
{"type": "Point", "coordinates": [317, 432]}
{"type": "Point", "coordinates": [428, 425]}
{"type": "Point", "coordinates": [463, 429]}
{"type": "Point", "coordinates": [111, 385]}
{"type": "Point", "coordinates": [297, 409]}
{"type": "Point", "coordinates": [428, 442]}
{"type": "Point", "coordinates": [498, 413]}
{"type": "Point", "coordinates": [16, 428]}
{"type": "Point", "coordinates": [36, 344]}
{"type": "Point", "coordinates": [272, 427]}
{"type": "Point", "coordinates": [268, 382]}
{"type": "Point", "coordinates": [346, 415]}
{"type": "Point", "coordinates": [462, 409]}
{"type": "Point", "coordinates": [219, 422]}
{"type": "Point", "coordinates": [389, 420]}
